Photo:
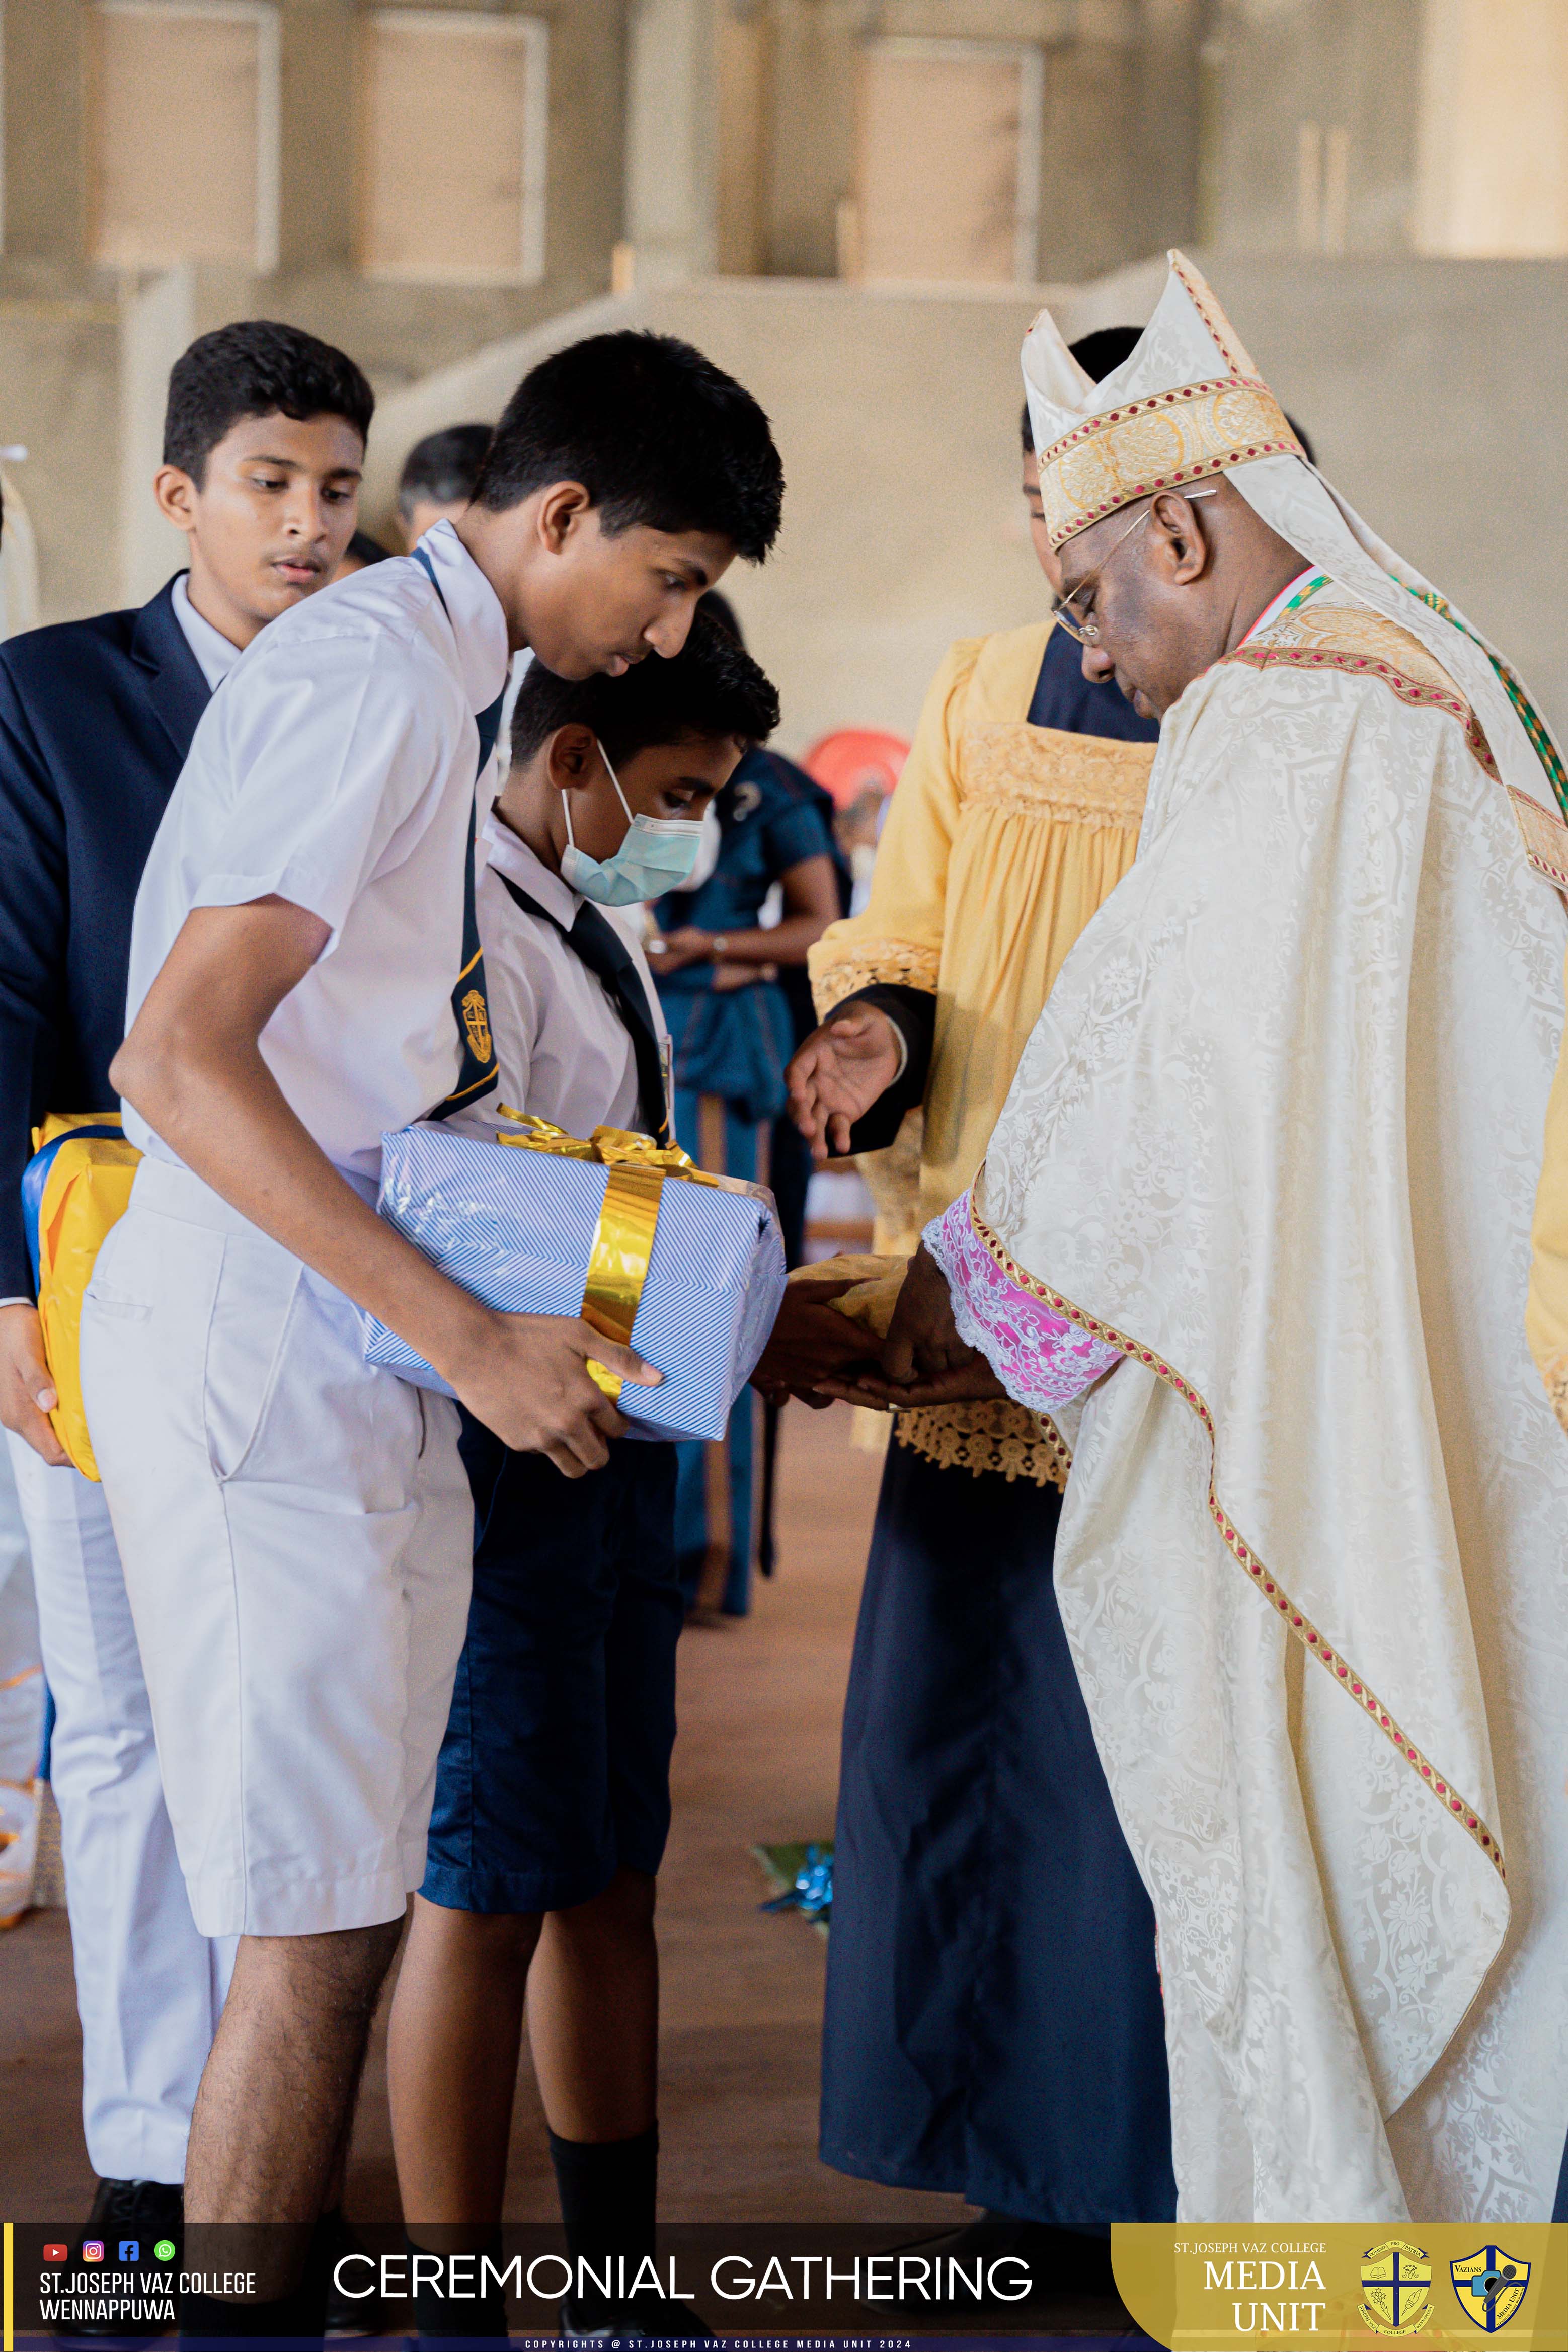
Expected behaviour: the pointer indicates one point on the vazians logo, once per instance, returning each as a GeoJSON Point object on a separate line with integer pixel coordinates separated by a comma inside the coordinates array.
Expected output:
{"type": "Point", "coordinates": [1490, 2285]}
{"type": "Point", "coordinates": [1395, 2288]}
{"type": "Point", "coordinates": [475, 1025]}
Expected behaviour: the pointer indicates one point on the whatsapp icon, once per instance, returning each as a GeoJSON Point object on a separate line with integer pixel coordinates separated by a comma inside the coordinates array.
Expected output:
{"type": "Point", "coordinates": [164, 2250]}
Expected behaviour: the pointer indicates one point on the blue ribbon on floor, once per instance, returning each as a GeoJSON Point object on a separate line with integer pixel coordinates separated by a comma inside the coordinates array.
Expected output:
{"type": "Point", "coordinates": [813, 1890]}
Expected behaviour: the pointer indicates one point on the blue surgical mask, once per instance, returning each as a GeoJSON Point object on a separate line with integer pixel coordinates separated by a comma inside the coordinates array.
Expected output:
{"type": "Point", "coordinates": [657, 854]}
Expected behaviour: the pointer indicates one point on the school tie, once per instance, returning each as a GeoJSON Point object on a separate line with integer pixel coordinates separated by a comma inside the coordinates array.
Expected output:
{"type": "Point", "coordinates": [599, 946]}
{"type": "Point", "coordinates": [477, 1070]}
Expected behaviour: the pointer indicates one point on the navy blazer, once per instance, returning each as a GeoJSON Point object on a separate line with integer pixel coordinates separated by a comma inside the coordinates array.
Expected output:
{"type": "Point", "coordinates": [95, 718]}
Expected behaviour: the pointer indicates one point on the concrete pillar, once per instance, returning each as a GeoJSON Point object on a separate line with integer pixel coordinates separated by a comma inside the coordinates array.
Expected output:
{"type": "Point", "coordinates": [156, 321]}
{"type": "Point", "coordinates": [671, 152]}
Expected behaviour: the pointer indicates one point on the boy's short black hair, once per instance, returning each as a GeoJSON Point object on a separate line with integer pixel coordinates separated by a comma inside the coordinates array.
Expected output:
{"type": "Point", "coordinates": [712, 689]}
{"type": "Point", "coordinates": [443, 466]}
{"type": "Point", "coordinates": [257, 367]}
{"type": "Point", "coordinates": [655, 433]}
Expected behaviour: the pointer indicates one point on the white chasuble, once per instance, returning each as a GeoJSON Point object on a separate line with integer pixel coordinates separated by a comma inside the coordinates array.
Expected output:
{"type": "Point", "coordinates": [1276, 1136]}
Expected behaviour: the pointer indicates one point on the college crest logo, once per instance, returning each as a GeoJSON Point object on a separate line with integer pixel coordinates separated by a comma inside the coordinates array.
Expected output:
{"type": "Point", "coordinates": [1396, 2288]}
{"type": "Point", "coordinates": [1490, 2285]}
{"type": "Point", "coordinates": [476, 1024]}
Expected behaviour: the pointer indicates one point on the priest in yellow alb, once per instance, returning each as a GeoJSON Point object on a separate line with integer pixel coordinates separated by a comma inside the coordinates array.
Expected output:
{"type": "Point", "coordinates": [994, 2025]}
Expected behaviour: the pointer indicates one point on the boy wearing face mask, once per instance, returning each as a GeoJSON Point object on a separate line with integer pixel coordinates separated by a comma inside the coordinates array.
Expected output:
{"type": "Point", "coordinates": [553, 1791]}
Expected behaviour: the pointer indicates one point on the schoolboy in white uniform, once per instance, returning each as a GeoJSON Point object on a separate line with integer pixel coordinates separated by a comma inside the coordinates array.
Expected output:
{"type": "Point", "coordinates": [552, 1791]}
{"type": "Point", "coordinates": [305, 975]}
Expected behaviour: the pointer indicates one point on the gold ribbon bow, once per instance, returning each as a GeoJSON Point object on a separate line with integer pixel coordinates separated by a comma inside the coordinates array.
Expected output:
{"type": "Point", "coordinates": [623, 1237]}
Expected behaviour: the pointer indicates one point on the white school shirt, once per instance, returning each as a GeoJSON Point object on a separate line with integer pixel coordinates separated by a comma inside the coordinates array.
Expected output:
{"type": "Point", "coordinates": [216, 654]}
{"type": "Point", "coordinates": [564, 1052]}
{"type": "Point", "coordinates": [336, 769]}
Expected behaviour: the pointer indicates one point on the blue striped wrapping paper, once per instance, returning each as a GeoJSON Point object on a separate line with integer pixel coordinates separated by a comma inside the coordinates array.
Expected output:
{"type": "Point", "coordinates": [515, 1227]}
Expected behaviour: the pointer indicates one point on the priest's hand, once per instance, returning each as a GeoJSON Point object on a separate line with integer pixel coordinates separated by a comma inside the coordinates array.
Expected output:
{"type": "Point", "coordinates": [810, 1342]}
{"type": "Point", "coordinates": [971, 1383]}
{"type": "Point", "coordinates": [840, 1071]}
{"type": "Point", "coordinates": [923, 1359]}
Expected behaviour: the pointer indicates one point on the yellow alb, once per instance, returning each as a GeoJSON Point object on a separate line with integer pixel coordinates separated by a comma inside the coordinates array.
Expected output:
{"type": "Point", "coordinates": [1001, 841]}
{"type": "Point", "coordinates": [85, 1193]}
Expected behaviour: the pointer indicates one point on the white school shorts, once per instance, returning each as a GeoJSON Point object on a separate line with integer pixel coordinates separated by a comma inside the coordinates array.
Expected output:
{"type": "Point", "coordinates": [297, 1535]}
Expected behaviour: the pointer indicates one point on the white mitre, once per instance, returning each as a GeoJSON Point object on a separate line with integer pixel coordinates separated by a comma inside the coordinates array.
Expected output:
{"type": "Point", "coordinates": [1186, 403]}
{"type": "Point", "coordinates": [1189, 402]}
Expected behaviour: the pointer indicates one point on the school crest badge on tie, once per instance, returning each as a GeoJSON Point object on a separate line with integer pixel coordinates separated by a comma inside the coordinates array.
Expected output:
{"type": "Point", "coordinates": [1490, 2285]}
{"type": "Point", "coordinates": [1395, 2288]}
{"type": "Point", "coordinates": [476, 1024]}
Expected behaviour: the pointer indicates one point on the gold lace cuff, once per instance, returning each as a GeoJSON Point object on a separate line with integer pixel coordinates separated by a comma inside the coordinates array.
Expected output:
{"type": "Point", "coordinates": [995, 1434]}
{"type": "Point", "coordinates": [1555, 1376]}
{"type": "Point", "coordinates": [841, 970]}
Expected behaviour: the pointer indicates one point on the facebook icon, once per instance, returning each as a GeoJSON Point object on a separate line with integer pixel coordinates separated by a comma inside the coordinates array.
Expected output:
{"type": "Point", "coordinates": [130, 2250]}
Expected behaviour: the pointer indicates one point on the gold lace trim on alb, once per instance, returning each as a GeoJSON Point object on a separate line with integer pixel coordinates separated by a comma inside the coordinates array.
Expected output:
{"type": "Point", "coordinates": [1555, 1376]}
{"type": "Point", "coordinates": [863, 963]}
{"type": "Point", "coordinates": [1042, 771]}
{"type": "Point", "coordinates": [993, 1434]}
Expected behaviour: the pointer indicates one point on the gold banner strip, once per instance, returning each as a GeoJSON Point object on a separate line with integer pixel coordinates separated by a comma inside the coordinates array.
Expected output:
{"type": "Point", "coordinates": [618, 1258]}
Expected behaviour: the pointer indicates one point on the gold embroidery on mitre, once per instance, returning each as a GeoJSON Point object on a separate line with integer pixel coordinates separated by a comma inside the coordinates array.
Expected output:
{"type": "Point", "coordinates": [1361, 644]}
{"type": "Point", "coordinates": [838, 971]}
{"type": "Point", "coordinates": [1270, 1590]}
{"type": "Point", "coordinates": [989, 1435]}
{"type": "Point", "coordinates": [1063, 778]}
{"type": "Point", "coordinates": [1157, 443]}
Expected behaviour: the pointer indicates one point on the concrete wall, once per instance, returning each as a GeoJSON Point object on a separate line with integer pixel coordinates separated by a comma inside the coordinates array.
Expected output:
{"type": "Point", "coordinates": [1119, 125]}
{"type": "Point", "coordinates": [1428, 387]}
{"type": "Point", "coordinates": [1350, 66]}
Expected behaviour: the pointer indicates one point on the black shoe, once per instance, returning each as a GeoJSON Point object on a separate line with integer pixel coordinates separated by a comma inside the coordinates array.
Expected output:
{"type": "Point", "coordinates": [646, 2320]}
{"type": "Point", "coordinates": [1065, 2265]}
{"type": "Point", "coordinates": [145, 2213]}
{"type": "Point", "coordinates": [347, 2314]}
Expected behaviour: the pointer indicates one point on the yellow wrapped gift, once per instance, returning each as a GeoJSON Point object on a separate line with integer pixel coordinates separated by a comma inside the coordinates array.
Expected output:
{"type": "Point", "coordinates": [75, 1187]}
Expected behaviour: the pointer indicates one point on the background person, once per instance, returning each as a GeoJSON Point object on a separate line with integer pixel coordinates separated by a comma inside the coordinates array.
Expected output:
{"type": "Point", "coordinates": [263, 444]}
{"type": "Point", "coordinates": [438, 477]}
{"type": "Point", "coordinates": [731, 1033]}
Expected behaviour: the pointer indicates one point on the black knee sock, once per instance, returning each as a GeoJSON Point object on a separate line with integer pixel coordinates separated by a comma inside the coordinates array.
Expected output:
{"type": "Point", "coordinates": [443, 2319]}
{"type": "Point", "coordinates": [609, 2195]}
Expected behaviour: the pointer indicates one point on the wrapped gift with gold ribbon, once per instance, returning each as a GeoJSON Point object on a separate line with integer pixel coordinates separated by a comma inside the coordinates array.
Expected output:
{"type": "Point", "coordinates": [684, 1267]}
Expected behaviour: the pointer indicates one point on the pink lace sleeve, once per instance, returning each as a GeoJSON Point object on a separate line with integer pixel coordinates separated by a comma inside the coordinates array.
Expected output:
{"type": "Point", "coordinates": [1041, 1361]}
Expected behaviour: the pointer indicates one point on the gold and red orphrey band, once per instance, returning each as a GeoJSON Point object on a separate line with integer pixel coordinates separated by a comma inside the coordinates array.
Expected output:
{"type": "Point", "coordinates": [1356, 2286]}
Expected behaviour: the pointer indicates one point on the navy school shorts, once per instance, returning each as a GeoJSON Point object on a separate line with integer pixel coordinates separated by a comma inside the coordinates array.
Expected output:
{"type": "Point", "coordinates": [555, 1771]}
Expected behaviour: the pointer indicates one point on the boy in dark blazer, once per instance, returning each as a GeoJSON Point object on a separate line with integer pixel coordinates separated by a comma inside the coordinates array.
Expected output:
{"type": "Point", "coordinates": [263, 444]}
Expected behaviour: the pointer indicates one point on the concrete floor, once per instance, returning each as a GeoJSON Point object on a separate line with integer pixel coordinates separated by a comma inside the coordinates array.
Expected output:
{"type": "Point", "coordinates": [756, 1762]}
